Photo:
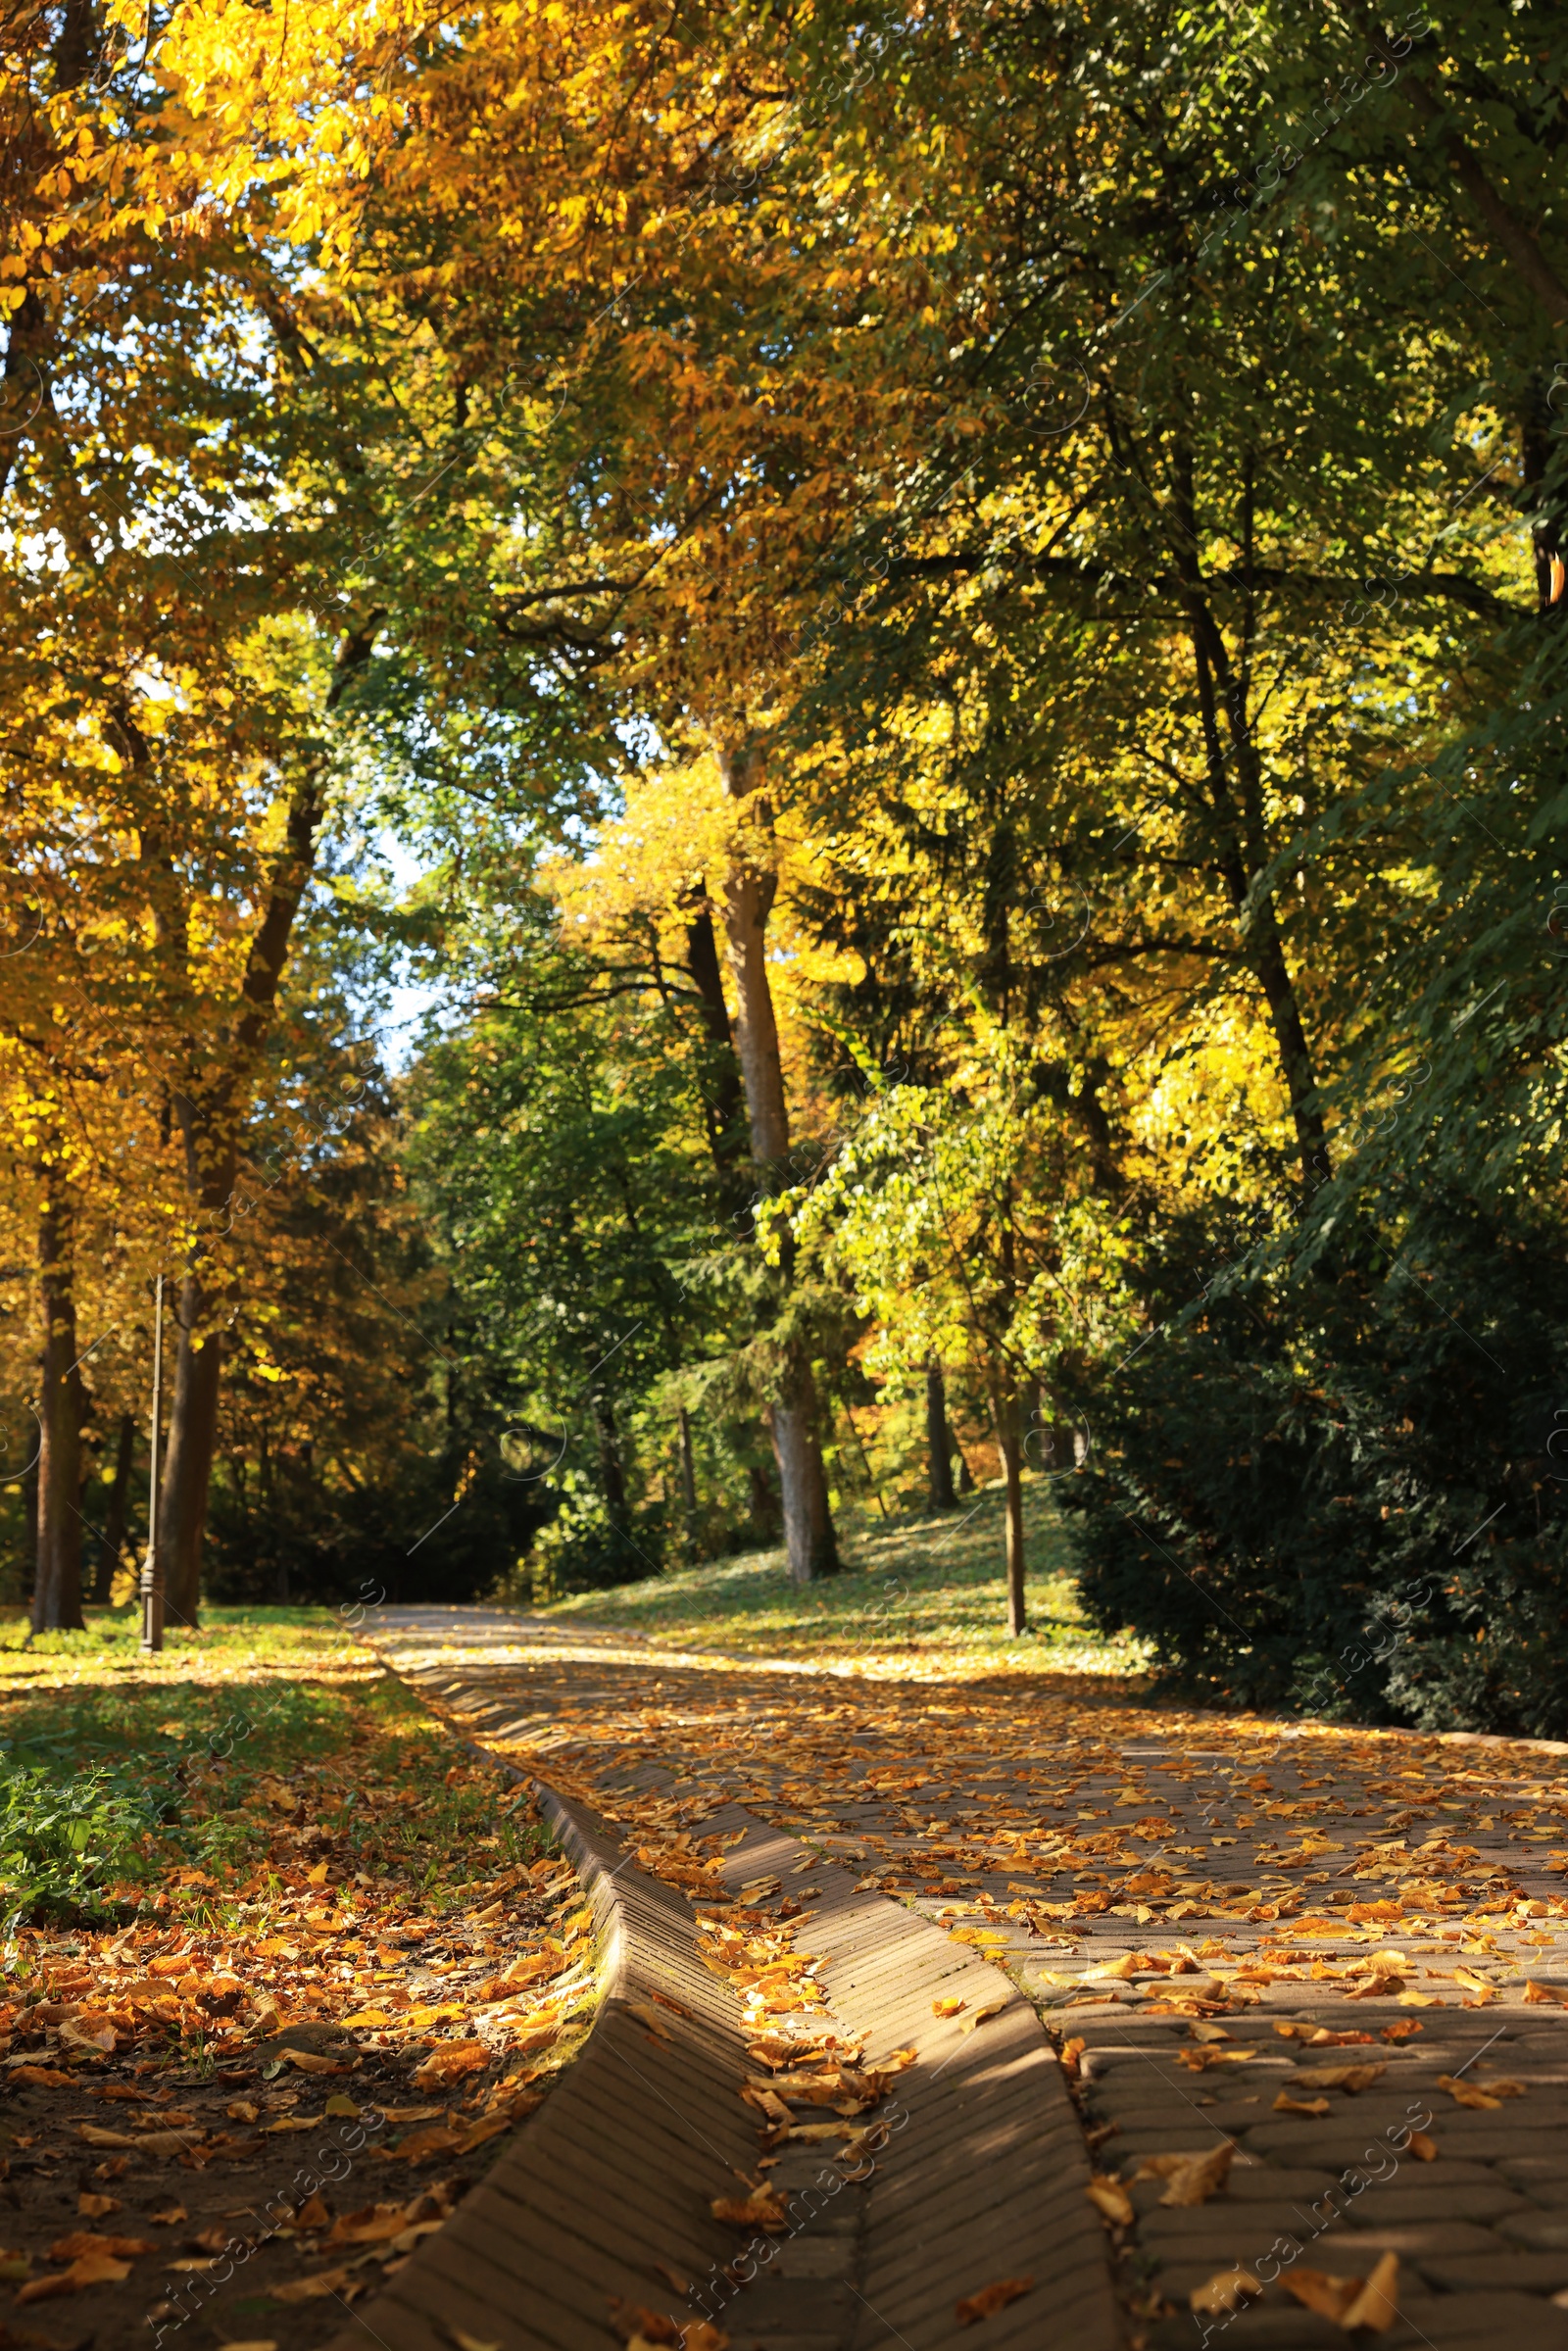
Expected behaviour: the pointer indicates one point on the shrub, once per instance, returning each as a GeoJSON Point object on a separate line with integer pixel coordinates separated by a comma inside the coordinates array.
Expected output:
{"type": "Point", "coordinates": [1335, 1490]}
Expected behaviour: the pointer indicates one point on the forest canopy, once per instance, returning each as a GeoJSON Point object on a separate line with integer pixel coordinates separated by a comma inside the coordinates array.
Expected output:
{"type": "Point", "coordinates": [932, 644]}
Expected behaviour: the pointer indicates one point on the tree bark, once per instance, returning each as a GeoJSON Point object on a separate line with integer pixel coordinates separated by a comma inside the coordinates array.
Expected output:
{"type": "Point", "coordinates": [56, 1585]}
{"type": "Point", "coordinates": [724, 1110]}
{"type": "Point", "coordinates": [1004, 1407]}
{"type": "Point", "coordinates": [809, 1544]}
{"type": "Point", "coordinates": [212, 1114]}
{"type": "Point", "coordinates": [688, 1480]}
{"type": "Point", "coordinates": [792, 1418]}
{"type": "Point", "coordinates": [937, 1442]}
{"type": "Point", "coordinates": [112, 1539]}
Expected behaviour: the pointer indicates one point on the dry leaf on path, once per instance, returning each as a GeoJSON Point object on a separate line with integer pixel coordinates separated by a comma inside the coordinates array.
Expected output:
{"type": "Point", "coordinates": [763, 2209]}
{"type": "Point", "coordinates": [1228, 2291]}
{"type": "Point", "coordinates": [309, 2063]}
{"type": "Point", "coordinates": [1423, 2148]}
{"type": "Point", "coordinates": [948, 2007]}
{"type": "Point", "coordinates": [1352, 2078]}
{"type": "Point", "coordinates": [81, 2244]}
{"type": "Point", "coordinates": [450, 2062]}
{"type": "Point", "coordinates": [1374, 2306]}
{"type": "Point", "coordinates": [1109, 2196]}
{"type": "Point", "coordinates": [1329, 2297]}
{"type": "Point", "coordinates": [991, 2298]}
{"type": "Point", "coordinates": [1193, 2179]}
{"type": "Point", "coordinates": [93, 2269]}
{"type": "Point", "coordinates": [1285, 2105]}
{"type": "Point", "coordinates": [313, 2289]}
{"type": "Point", "coordinates": [98, 2208]}
{"type": "Point", "coordinates": [1468, 2094]}
{"type": "Point", "coordinates": [649, 2015]}
{"type": "Point", "coordinates": [979, 2016]}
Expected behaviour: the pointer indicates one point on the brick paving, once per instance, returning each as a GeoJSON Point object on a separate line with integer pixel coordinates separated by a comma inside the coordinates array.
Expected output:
{"type": "Point", "coordinates": [1418, 1884]}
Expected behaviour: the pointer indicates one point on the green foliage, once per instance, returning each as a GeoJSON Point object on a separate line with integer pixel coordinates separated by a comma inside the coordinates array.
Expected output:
{"type": "Point", "coordinates": [67, 1837]}
{"type": "Point", "coordinates": [1337, 1491]}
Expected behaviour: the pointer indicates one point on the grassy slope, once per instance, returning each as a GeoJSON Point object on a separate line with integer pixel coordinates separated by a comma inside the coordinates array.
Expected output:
{"type": "Point", "coordinates": [923, 1594]}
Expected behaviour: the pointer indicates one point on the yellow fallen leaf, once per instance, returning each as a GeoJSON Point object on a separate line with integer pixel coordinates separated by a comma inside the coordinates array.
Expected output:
{"type": "Point", "coordinates": [649, 2015]}
{"type": "Point", "coordinates": [1352, 2078]}
{"type": "Point", "coordinates": [309, 2063]}
{"type": "Point", "coordinates": [763, 2209]}
{"type": "Point", "coordinates": [1285, 2105]}
{"type": "Point", "coordinates": [93, 2269]}
{"type": "Point", "coordinates": [369, 2020]}
{"type": "Point", "coordinates": [1109, 2196]}
{"type": "Point", "coordinates": [241, 2110]}
{"type": "Point", "coordinates": [1423, 2148]}
{"type": "Point", "coordinates": [1466, 2093]}
{"type": "Point", "coordinates": [979, 2014]}
{"type": "Point", "coordinates": [451, 2063]}
{"type": "Point", "coordinates": [1374, 2307]}
{"type": "Point", "coordinates": [948, 2007]}
{"type": "Point", "coordinates": [1193, 2179]}
{"type": "Point", "coordinates": [991, 2298]}
{"type": "Point", "coordinates": [1420, 1999]}
{"type": "Point", "coordinates": [1321, 2291]}
{"type": "Point", "coordinates": [1226, 2291]}
{"type": "Point", "coordinates": [315, 2289]}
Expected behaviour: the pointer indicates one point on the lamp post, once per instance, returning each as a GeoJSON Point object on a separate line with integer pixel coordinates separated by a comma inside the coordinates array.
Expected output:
{"type": "Point", "coordinates": [151, 1582]}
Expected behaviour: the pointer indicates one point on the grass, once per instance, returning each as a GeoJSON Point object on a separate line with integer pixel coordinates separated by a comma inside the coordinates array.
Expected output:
{"type": "Point", "coordinates": [168, 1788]}
{"type": "Point", "coordinates": [921, 1595]}
{"type": "Point", "coordinates": [231, 1644]}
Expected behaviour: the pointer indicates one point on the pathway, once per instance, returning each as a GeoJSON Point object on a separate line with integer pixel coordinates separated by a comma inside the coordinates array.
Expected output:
{"type": "Point", "coordinates": [1169, 1891]}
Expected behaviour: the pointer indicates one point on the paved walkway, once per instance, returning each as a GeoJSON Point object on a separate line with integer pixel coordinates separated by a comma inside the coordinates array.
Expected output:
{"type": "Point", "coordinates": [1234, 1876]}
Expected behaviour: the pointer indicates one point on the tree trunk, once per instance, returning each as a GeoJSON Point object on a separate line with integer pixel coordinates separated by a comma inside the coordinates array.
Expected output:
{"type": "Point", "coordinates": [966, 1473]}
{"type": "Point", "coordinates": [792, 1421]}
{"type": "Point", "coordinates": [611, 1475]}
{"type": "Point", "coordinates": [212, 1115]}
{"type": "Point", "coordinates": [765, 1503]}
{"type": "Point", "coordinates": [112, 1539]}
{"type": "Point", "coordinates": [810, 1545]}
{"type": "Point", "coordinates": [688, 1480]}
{"type": "Point", "coordinates": [57, 1587]}
{"type": "Point", "coordinates": [725, 1108]}
{"type": "Point", "coordinates": [1004, 1407]}
{"type": "Point", "coordinates": [188, 1461]}
{"type": "Point", "coordinates": [938, 1440]}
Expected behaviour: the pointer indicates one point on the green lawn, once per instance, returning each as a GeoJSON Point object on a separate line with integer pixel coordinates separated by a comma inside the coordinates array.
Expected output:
{"type": "Point", "coordinates": [231, 1643]}
{"type": "Point", "coordinates": [923, 1594]}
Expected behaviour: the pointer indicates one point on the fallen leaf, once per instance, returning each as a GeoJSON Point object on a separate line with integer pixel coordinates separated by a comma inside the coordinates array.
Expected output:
{"type": "Point", "coordinates": [1193, 2179]}
{"type": "Point", "coordinates": [313, 2289]}
{"type": "Point", "coordinates": [1199, 2060]}
{"type": "Point", "coordinates": [1423, 2148]}
{"type": "Point", "coordinates": [451, 2063]}
{"type": "Point", "coordinates": [241, 2110]}
{"type": "Point", "coordinates": [338, 2104]}
{"type": "Point", "coordinates": [1536, 1995]}
{"type": "Point", "coordinates": [1285, 2105]}
{"type": "Point", "coordinates": [1226, 2291]}
{"type": "Point", "coordinates": [170, 2213]}
{"type": "Point", "coordinates": [948, 2007]}
{"type": "Point", "coordinates": [991, 2298]}
{"type": "Point", "coordinates": [309, 2062]}
{"type": "Point", "coordinates": [1329, 2297]}
{"type": "Point", "coordinates": [93, 2269]}
{"type": "Point", "coordinates": [80, 2244]}
{"type": "Point", "coordinates": [1466, 2093]}
{"type": "Point", "coordinates": [40, 2076]}
{"type": "Point", "coordinates": [649, 2015]}
{"type": "Point", "coordinates": [1403, 2030]}
{"type": "Point", "coordinates": [463, 2342]}
{"type": "Point", "coordinates": [1109, 2197]}
{"type": "Point", "coordinates": [97, 2208]}
{"type": "Point", "coordinates": [989, 2008]}
{"type": "Point", "coordinates": [1352, 2078]}
{"type": "Point", "coordinates": [1374, 2306]}
{"type": "Point", "coordinates": [763, 2209]}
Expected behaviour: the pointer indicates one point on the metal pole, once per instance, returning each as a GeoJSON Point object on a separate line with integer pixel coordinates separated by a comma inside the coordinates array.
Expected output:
{"type": "Point", "coordinates": [151, 1582]}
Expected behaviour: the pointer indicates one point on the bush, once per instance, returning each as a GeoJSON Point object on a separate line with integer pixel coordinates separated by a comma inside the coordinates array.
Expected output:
{"type": "Point", "coordinates": [1334, 1490]}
